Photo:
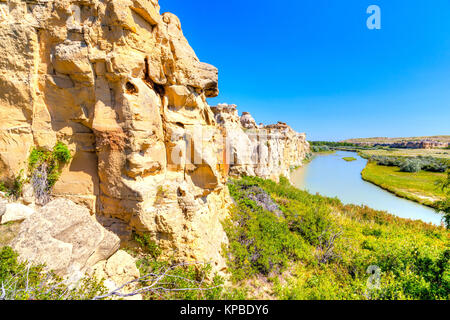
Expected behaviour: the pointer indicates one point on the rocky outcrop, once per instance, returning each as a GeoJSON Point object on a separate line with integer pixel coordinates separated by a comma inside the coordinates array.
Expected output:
{"type": "Point", "coordinates": [14, 212]}
{"type": "Point", "coordinates": [119, 270]}
{"type": "Point", "coordinates": [119, 84]}
{"type": "Point", "coordinates": [64, 237]}
{"type": "Point", "coordinates": [3, 203]}
{"type": "Point", "coordinates": [258, 150]}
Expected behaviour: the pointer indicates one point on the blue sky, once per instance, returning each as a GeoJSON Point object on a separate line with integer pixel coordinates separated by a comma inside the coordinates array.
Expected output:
{"type": "Point", "coordinates": [315, 65]}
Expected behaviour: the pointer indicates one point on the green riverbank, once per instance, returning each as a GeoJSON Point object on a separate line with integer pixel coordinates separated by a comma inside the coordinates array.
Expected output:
{"type": "Point", "coordinates": [286, 243]}
{"type": "Point", "coordinates": [419, 186]}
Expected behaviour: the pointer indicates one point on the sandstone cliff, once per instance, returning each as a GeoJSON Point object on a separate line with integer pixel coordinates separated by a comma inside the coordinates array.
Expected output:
{"type": "Point", "coordinates": [257, 150]}
{"type": "Point", "coordinates": [119, 84]}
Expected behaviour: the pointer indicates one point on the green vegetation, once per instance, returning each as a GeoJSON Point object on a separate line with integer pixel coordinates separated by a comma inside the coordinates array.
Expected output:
{"type": "Point", "coordinates": [345, 146]}
{"type": "Point", "coordinates": [332, 144]}
{"type": "Point", "coordinates": [407, 164]}
{"type": "Point", "coordinates": [349, 159]}
{"type": "Point", "coordinates": [444, 205]}
{"type": "Point", "coordinates": [419, 186]}
{"type": "Point", "coordinates": [181, 281]}
{"type": "Point", "coordinates": [168, 279]}
{"type": "Point", "coordinates": [147, 245]}
{"type": "Point", "coordinates": [318, 248]}
{"type": "Point", "coordinates": [50, 160]}
{"type": "Point", "coordinates": [23, 282]}
{"type": "Point", "coordinates": [43, 172]}
{"type": "Point", "coordinates": [441, 154]}
{"type": "Point", "coordinates": [14, 189]}
{"type": "Point", "coordinates": [322, 149]}
{"type": "Point", "coordinates": [44, 168]}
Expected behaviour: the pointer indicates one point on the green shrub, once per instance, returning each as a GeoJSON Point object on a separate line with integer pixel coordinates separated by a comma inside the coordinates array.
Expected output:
{"type": "Point", "coordinates": [320, 148]}
{"type": "Point", "coordinates": [14, 189]}
{"type": "Point", "coordinates": [61, 152]}
{"type": "Point", "coordinates": [410, 165]}
{"type": "Point", "coordinates": [147, 244]}
{"type": "Point", "coordinates": [44, 168]}
{"type": "Point", "coordinates": [24, 282]}
{"type": "Point", "coordinates": [444, 205]}
{"type": "Point", "coordinates": [260, 242]}
{"type": "Point", "coordinates": [181, 281]}
{"type": "Point", "coordinates": [386, 161]}
{"type": "Point", "coordinates": [332, 245]}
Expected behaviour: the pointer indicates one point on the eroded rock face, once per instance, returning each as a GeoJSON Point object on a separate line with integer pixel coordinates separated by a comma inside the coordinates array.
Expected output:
{"type": "Point", "coordinates": [119, 84]}
{"type": "Point", "coordinates": [257, 150]}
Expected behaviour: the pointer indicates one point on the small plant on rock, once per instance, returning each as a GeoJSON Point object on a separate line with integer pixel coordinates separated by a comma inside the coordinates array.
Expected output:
{"type": "Point", "coordinates": [13, 189]}
{"type": "Point", "coordinates": [44, 167]}
{"type": "Point", "coordinates": [147, 244]}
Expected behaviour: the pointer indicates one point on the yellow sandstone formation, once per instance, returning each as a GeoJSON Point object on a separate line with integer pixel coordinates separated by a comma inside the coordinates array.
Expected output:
{"type": "Point", "coordinates": [119, 84]}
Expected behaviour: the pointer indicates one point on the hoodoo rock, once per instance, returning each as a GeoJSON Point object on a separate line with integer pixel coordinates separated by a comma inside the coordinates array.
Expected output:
{"type": "Point", "coordinates": [119, 84]}
{"type": "Point", "coordinates": [265, 151]}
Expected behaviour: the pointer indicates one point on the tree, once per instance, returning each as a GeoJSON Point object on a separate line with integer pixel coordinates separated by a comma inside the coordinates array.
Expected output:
{"type": "Point", "coordinates": [444, 205]}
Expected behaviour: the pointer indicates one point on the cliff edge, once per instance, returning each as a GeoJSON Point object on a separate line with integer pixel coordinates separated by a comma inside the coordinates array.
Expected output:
{"type": "Point", "coordinates": [119, 84]}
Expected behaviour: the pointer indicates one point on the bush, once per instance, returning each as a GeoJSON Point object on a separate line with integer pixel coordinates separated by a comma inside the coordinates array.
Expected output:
{"type": "Point", "coordinates": [444, 205]}
{"type": "Point", "coordinates": [29, 282]}
{"type": "Point", "coordinates": [61, 152]}
{"type": "Point", "coordinates": [386, 161]}
{"type": "Point", "coordinates": [320, 148]}
{"type": "Point", "coordinates": [181, 281]}
{"type": "Point", "coordinates": [14, 189]}
{"type": "Point", "coordinates": [260, 242]}
{"type": "Point", "coordinates": [147, 244]}
{"type": "Point", "coordinates": [44, 167]}
{"type": "Point", "coordinates": [410, 165]}
{"type": "Point", "coordinates": [327, 247]}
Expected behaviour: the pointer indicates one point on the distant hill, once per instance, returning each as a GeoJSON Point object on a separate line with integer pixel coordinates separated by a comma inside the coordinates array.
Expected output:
{"type": "Point", "coordinates": [411, 142]}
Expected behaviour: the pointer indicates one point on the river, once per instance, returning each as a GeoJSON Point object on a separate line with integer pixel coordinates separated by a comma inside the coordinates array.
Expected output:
{"type": "Point", "coordinates": [330, 175]}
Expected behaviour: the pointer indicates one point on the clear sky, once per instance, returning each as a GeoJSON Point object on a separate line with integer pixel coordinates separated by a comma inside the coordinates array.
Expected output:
{"type": "Point", "coordinates": [315, 65]}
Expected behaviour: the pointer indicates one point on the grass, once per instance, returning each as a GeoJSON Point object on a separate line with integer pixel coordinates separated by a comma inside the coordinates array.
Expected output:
{"type": "Point", "coordinates": [322, 249]}
{"type": "Point", "coordinates": [435, 153]}
{"type": "Point", "coordinates": [349, 159]}
{"type": "Point", "coordinates": [420, 187]}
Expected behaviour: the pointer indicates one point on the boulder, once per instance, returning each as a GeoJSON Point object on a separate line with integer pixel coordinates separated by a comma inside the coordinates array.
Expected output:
{"type": "Point", "coordinates": [64, 237]}
{"type": "Point", "coordinates": [3, 203]}
{"type": "Point", "coordinates": [28, 194]}
{"type": "Point", "coordinates": [118, 270]}
{"type": "Point", "coordinates": [14, 212]}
